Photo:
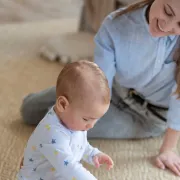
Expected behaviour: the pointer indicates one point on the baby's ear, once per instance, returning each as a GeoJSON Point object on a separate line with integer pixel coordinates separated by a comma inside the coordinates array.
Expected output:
{"type": "Point", "coordinates": [62, 103]}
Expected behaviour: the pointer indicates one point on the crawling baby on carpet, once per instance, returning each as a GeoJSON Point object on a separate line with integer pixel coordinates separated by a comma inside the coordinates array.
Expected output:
{"type": "Point", "coordinates": [59, 142]}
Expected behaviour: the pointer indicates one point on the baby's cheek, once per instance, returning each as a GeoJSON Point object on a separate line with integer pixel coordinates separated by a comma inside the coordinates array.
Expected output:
{"type": "Point", "coordinates": [81, 125]}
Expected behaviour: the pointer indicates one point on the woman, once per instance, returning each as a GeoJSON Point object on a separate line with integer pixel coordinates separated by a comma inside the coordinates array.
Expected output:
{"type": "Point", "coordinates": [136, 49]}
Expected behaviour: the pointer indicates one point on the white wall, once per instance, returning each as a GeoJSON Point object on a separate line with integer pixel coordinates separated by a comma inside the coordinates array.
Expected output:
{"type": "Point", "coordinates": [34, 10]}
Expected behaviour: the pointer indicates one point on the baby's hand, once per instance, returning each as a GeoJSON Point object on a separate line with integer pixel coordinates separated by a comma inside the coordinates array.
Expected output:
{"type": "Point", "coordinates": [102, 158]}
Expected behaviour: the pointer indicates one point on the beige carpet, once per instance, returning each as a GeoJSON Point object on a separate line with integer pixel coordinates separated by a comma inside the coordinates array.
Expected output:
{"type": "Point", "coordinates": [21, 72]}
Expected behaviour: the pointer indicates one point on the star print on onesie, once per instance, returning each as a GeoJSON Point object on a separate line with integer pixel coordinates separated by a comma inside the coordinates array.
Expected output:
{"type": "Point", "coordinates": [55, 152]}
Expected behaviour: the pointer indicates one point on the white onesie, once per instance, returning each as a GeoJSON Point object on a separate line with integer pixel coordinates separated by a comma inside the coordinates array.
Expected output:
{"type": "Point", "coordinates": [54, 152]}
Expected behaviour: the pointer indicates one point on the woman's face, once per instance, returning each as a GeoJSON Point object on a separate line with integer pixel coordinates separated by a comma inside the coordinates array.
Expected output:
{"type": "Point", "coordinates": [164, 18]}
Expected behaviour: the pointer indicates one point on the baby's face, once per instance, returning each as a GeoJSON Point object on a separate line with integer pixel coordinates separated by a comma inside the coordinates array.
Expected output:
{"type": "Point", "coordinates": [85, 117]}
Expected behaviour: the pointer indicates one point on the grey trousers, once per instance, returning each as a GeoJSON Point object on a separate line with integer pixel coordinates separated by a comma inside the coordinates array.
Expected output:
{"type": "Point", "coordinates": [119, 122]}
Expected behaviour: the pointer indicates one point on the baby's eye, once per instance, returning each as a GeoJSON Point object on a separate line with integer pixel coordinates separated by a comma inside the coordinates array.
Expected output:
{"type": "Point", "coordinates": [85, 119]}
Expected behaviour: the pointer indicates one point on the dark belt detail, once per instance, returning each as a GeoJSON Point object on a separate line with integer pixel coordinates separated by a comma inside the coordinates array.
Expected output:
{"type": "Point", "coordinates": [151, 107]}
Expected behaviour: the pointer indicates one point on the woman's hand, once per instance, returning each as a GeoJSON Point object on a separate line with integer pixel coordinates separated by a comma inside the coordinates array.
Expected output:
{"type": "Point", "coordinates": [170, 160]}
{"type": "Point", "coordinates": [21, 164]}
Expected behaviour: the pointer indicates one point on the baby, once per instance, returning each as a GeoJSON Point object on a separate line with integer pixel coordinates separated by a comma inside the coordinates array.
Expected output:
{"type": "Point", "coordinates": [59, 142]}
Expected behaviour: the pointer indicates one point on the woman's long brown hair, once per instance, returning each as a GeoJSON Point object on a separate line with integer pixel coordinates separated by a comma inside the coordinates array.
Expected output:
{"type": "Point", "coordinates": [177, 71]}
{"type": "Point", "coordinates": [141, 4]}
{"type": "Point", "coordinates": [135, 6]}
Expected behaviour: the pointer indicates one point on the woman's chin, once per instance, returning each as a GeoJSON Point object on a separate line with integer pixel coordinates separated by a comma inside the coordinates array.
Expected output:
{"type": "Point", "coordinates": [156, 34]}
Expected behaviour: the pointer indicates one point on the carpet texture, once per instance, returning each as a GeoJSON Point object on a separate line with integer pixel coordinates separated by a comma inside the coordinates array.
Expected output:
{"type": "Point", "coordinates": [22, 72]}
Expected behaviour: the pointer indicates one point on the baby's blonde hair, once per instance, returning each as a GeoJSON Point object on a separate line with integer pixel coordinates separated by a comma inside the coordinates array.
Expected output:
{"type": "Point", "coordinates": [83, 80]}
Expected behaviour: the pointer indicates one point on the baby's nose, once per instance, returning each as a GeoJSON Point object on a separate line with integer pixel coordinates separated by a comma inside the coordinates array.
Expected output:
{"type": "Point", "coordinates": [89, 126]}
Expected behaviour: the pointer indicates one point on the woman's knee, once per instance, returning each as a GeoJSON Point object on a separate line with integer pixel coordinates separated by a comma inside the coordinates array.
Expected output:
{"type": "Point", "coordinates": [35, 106]}
{"type": "Point", "coordinates": [26, 110]}
{"type": "Point", "coordinates": [30, 111]}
